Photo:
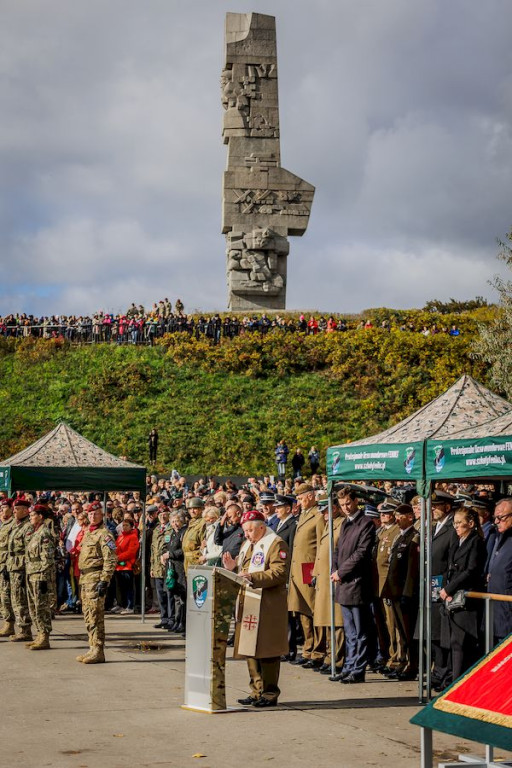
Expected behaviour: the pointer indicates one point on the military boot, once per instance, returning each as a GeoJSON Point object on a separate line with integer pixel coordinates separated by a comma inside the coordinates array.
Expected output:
{"type": "Point", "coordinates": [7, 629]}
{"type": "Point", "coordinates": [22, 637]}
{"type": "Point", "coordinates": [41, 643]}
{"type": "Point", "coordinates": [96, 656]}
{"type": "Point", "coordinates": [83, 655]}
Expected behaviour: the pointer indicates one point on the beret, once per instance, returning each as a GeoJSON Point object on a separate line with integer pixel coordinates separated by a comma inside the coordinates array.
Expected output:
{"type": "Point", "coordinates": [93, 506]}
{"type": "Point", "coordinates": [252, 514]}
{"type": "Point", "coordinates": [5, 502]}
{"type": "Point", "coordinates": [22, 503]}
{"type": "Point", "coordinates": [404, 509]}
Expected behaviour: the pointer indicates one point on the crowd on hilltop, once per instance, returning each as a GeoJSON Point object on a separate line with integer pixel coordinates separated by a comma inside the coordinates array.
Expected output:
{"type": "Point", "coordinates": [140, 326]}
{"type": "Point", "coordinates": [375, 563]}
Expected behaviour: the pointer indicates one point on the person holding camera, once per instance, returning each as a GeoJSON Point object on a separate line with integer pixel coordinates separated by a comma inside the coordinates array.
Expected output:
{"type": "Point", "coordinates": [40, 565]}
{"type": "Point", "coordinates": [97, 562]}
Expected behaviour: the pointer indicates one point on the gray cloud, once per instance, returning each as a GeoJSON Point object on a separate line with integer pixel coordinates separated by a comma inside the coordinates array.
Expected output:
{"type": "Point", "coordinates": [111, 158]}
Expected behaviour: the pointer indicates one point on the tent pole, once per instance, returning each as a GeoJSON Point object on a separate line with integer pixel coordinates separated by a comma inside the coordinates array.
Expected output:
{"type": "Point", "coordinates": [428, 590]}
{"type": "Point", "coordinates": [421, 683]}
{"type": "Point", "coordinates": [143, 567]}
{"type": "Point", "coordinates": [331, 583]}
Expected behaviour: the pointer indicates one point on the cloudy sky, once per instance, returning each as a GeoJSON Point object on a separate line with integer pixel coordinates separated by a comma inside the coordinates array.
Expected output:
{"type": "Point", "coordinates": [111, 158]}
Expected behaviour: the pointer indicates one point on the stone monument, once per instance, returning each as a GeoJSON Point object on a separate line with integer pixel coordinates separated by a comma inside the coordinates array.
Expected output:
{"type": "Point", "coordinates": [262, 203]}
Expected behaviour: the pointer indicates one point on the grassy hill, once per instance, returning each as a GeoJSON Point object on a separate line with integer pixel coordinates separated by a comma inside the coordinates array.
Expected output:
{"type": "Point", "coordinates": [220, 410]}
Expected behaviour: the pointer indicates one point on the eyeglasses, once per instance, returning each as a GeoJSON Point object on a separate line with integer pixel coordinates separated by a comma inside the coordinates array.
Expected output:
{"type": "Point", "coordinates": [499, 518]}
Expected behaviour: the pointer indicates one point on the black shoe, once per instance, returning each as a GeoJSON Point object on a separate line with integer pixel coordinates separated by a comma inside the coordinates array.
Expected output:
{"type": "Point", "coordinates": [161, 626]}
{"type": "Point", "coordinates": [289, 657]}
{"type": "Point", "coordinates": [179, 629]}
{"type": "Point", "coordinates": [300, 661]}
{"type": "Point", "coordinates": [407, 676]}
{"type": "Point", "coordinates": [230, 642]}
{"type": "Point", "coordinates": [350, 679]}
{"type": "Point", "coordinates": [260, 703]}
{"type": "Point", "coordinates": [312, 664]}
{"type": "Point", "coordinates": [247, 701]}
{"type": "Point", "coordinates": [340, 674]}
{"type": "Point", "coordinates": [324, 669]}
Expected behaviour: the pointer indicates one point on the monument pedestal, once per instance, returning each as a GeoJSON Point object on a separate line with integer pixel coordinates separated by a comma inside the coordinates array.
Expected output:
{"type": "Point", "coordinates": [211, 597]}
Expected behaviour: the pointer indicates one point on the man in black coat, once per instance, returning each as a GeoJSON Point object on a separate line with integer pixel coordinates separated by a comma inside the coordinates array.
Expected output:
{"type": "Point", "coordinates": [500, 569]}
{"type": "Point", "coordinates": [402, 588]}
{"type": "Point", "coordinates": [284, 522]}
{"type": "Point", "coordinates": [229, 533]}
{"type": "Point", "coordinates": [443, 535]}
{"type": "Point", "coordinates": [352, 574]}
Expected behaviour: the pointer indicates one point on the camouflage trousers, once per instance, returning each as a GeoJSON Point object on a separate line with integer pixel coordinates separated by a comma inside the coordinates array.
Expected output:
{"type": "Point", "coordinates": [19, 600]}
{"type": "Point", "coordinates": [39, 605]}
{"type": "Point", "coordinates": [93, 609]}
{"type": "Point", "coordinates": [6, 612]}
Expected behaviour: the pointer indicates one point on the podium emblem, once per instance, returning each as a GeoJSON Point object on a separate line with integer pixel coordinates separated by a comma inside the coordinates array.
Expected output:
{"type": "Point", "coordinates": [200, 590]}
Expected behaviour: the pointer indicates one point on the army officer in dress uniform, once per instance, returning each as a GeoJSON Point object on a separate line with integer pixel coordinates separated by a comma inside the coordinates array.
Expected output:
{"type": "Point", "coordinates": [264, 562]}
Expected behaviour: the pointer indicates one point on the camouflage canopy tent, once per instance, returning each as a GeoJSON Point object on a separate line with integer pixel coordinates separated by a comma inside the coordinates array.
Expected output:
{"type": "Point", "coordinates": [64, 460]}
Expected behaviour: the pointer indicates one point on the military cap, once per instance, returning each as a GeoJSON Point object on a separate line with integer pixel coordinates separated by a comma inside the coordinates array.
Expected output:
{"type": "Point", "coordinates": [441, 497]}
{"type": "Point", "coordinates": [371, 511]}
{"type": "Point", "coordinates": [195, 503]}
{"type": "Point", "coordinates": [93, 506]}
{"type": "Point", "coordinates": [388, 507]}
{"type": "Point", "coordinates": [404, 509]}
{"type": "Point", "coordinates": [248, 498]}
{"type": "Point", "coordinates": [477, 504]}
{"type": "Point", "coordinates": [303, 488]}
{"type": "Point", "coordinates": [267, 497]}
{"type": "Point", "coordinates": [284, 501]}
{"type": "Point", "coordinates": [6, 503]}
{"type": "Point", "coordinates": [251, 515]}
{"type": "Point", "coordinates": [22, 503]}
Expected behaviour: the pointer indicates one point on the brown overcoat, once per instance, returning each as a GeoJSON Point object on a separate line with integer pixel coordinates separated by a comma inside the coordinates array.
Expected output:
{"type": "Point", "coordinates": [273, 627]}
{"type": "Point", "coordinates": [322, 574]}
{"type": "Point", "coordinates": [301, 597]}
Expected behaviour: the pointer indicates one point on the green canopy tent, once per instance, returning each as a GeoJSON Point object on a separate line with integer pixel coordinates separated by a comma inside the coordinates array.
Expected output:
{"type": "Point", "coordinates": [64, 460]}
{"type": "Point", "coordinates": [399, 453]}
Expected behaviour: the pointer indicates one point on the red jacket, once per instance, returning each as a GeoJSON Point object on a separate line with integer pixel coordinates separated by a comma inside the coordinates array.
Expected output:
{"type": "Point", "coordinates": [127, 545]}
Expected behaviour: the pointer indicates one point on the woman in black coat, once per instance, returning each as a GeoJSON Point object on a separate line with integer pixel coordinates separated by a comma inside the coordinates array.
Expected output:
{"type": "Point", "coordinates": [179, 523]}
{"type": "Point", "coordinates": [466, 565]}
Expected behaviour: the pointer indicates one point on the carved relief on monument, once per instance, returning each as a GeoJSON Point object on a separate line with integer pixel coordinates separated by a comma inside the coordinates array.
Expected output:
{"type": "Point", "coordinates": [262, 202]}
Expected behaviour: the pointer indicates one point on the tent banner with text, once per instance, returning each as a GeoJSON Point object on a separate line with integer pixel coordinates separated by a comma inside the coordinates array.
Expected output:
{"type": "Point", "coordinates": [460, 459]}
{"type": "Point", "coordinates": [389, 461]}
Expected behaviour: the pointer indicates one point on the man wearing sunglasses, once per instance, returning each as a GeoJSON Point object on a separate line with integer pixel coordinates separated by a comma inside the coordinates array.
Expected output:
{"type": "Point", "coordinates": [500, 569]}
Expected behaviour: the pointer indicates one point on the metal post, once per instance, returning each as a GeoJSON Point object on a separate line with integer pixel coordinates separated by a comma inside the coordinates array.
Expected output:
{"type": "Point", "coordinates": [143, 567]}
{"type": "Point", "coordinates": [423, 591]}
{"type": "Point", "coordinates": [428, 589]}
{"type": "Point", "coordinates": [333, 628]}
{"type": "Point", "coordinates": [426, 748]}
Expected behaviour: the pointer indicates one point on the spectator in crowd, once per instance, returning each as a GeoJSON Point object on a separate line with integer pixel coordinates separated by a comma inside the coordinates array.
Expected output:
{"type": "Point", "coordinates": [500, 569]}
{"type": "Point", "coordinates": [175, 561]}
{"type": "Point", "coordinates": [127, 546]}
{"type": "Point", "coordinates": [297, 463]}
{"type": "Point", "coordinates": [211, 553]}
{"type": "Point", "coordinates": [153, 445]}
{"type": "Point", "coordinates": [194, 535]}
{"type": "Point", "coordinates": [159, 541]}
{"type": "Point", "coordinates": [314, 460]}
{"type": "Point", "coordinates": [281, 454]}
{"type": "Point", "coordinates": [229, 533]}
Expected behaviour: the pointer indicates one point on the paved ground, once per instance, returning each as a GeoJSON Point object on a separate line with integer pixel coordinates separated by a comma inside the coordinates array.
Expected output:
{"type": "Point", "coordinates": [126, 714]}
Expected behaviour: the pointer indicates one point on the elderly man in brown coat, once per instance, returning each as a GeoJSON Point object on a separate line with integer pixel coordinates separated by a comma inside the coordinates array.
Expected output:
{"type": "Point", "coordinates": [301, 593]}
{"type": "Point", "coordinates": [264, 562]}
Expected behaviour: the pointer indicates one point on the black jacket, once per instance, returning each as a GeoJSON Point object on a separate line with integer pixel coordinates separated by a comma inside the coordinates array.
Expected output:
{"type": "Point", "coordinates": [466, 564]}
{"type": "Point", "coordinates": [230, 537]}
{"type": "Point", "coordinates": [353, 560]}
{"type": "Point", "coordinates": [287, 532]}
{"type": "Point", "coordinates": [500, 581]}
{"type": "Point", "coordinates": [176, 556]}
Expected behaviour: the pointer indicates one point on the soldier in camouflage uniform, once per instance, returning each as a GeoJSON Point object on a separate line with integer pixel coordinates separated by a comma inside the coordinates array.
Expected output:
{"type": "Point", "coordinates": [40, 565]}
{"type": "Point", "coordinates": [195, 533]}
{"type": "Point", "coordinates": [6, 612]}
{"type": "Point", "coordinates": [20, 532]}
{"type": "Point", "coordinates": [97, 562]}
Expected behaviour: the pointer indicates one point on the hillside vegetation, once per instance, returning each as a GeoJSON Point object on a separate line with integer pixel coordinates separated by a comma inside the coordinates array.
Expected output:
{"type": "Point", "coordinates": [221, 409]}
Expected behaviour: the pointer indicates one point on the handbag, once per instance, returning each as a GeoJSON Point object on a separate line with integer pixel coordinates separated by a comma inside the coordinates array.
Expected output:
{"type": "Point", "coordinates": [136, 568]}
{"type": "Point", "coordinates": [457, 603]}
{"type": "Point", "coordinates": [170, 578]}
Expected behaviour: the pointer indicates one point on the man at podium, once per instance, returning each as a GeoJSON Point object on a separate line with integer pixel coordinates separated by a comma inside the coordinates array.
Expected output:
{"type": "Point", "coordinates": [262, 616]}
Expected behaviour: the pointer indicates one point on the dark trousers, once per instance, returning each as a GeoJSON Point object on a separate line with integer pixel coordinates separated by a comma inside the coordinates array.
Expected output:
{"type": "Point", "coordinates": [166, 602]}
{"type": "Point", "coordinates": [124, 581]}
{"type": "Point", "coordinates": [356, 622]}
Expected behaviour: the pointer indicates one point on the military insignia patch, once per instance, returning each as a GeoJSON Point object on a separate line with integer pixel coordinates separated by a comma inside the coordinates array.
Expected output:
{"type": "Point", "coordinates": [258, 558]}
{"type": "Point", "coordinates": [111, 544]}
{"type": "Point", "coordinates": [200, 590]}
{"type": "Point", "coordinates": [282, 554]}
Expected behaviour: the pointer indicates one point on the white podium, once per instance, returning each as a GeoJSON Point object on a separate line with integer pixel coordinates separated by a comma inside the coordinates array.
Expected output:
{"type": "Point", "coordinates": [211, 596]}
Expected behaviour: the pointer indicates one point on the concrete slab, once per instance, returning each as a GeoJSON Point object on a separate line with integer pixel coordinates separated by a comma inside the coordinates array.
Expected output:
{"type": "Point", "coordinates": [57, 712]}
